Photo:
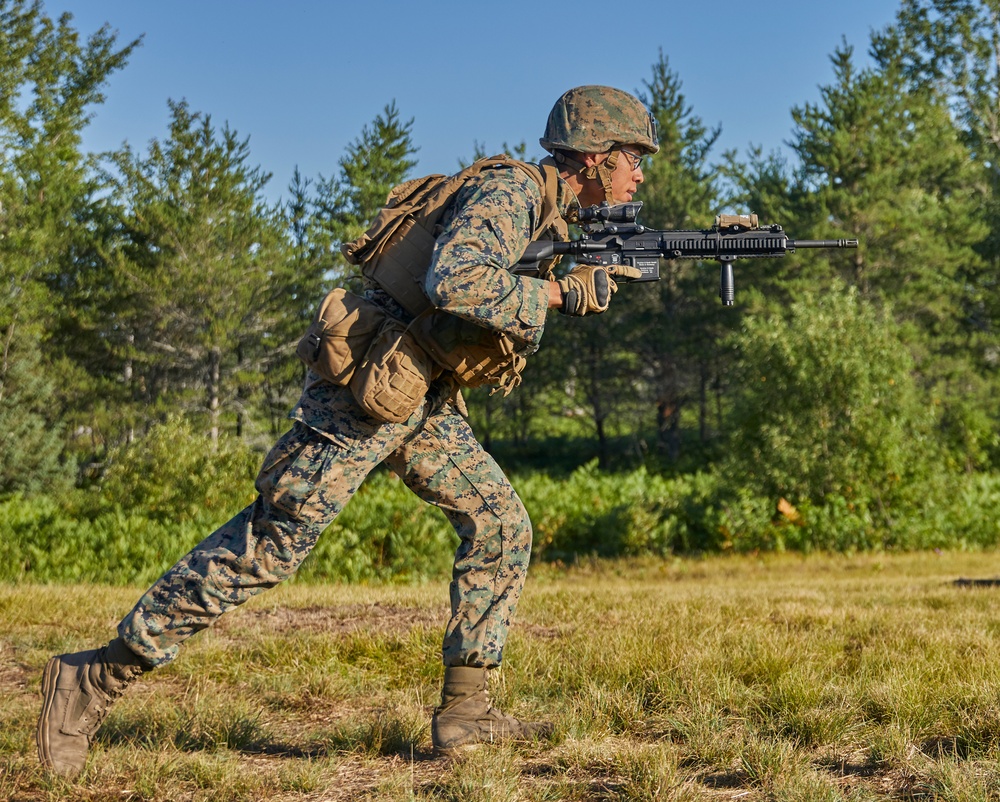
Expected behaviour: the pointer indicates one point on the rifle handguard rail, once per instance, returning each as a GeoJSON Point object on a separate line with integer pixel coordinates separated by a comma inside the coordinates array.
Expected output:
{"type": "Point", "coordinates": [613, 236]}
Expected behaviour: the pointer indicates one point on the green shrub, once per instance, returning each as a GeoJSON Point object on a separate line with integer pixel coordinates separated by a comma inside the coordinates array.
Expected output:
{"type": "Point", "coordinates": [44, 543]}
{"type": "Point", "coordinates": [166, 493]}
{"type": "Point", "coordinates": [173, 475]}
{"type": "Point", "coordinates": [613, 514]}
{"type": "Point", "coordinates": [828, 418]}
{"type": "Point", "coordinates": [162, 495]}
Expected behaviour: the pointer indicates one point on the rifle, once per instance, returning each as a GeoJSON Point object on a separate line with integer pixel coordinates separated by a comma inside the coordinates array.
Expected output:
{"type": "Point", "coordinates": [613, 236]}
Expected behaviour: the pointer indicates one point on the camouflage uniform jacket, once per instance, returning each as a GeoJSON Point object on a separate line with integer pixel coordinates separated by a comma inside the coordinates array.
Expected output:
{"type": "Point", "coordinates": [485, 231]}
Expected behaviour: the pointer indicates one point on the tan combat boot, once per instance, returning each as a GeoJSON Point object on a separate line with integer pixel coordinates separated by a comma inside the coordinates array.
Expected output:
{"type": "Point", "coordinates": [77, 690]}
{"type": "Point", "coordinates": [465, 717]}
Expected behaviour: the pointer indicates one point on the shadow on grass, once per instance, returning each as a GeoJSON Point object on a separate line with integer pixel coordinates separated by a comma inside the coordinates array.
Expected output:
{"type": "Point", "coordinates": [947, 746]}
{"type": "Point", "coordinates": [379, 735]}
{"type": "Point", "coordinates": [724, 779]}
{"type": "Point", "coordinates": [843, 767]}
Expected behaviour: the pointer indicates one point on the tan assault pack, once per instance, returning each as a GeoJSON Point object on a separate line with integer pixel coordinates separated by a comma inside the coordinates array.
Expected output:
{"type": "Point", "coordinates": [396, 252]}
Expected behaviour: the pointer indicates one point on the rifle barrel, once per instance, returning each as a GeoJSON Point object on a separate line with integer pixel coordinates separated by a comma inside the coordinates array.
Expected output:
{"type": "Point", "coordinates": [822, 243]}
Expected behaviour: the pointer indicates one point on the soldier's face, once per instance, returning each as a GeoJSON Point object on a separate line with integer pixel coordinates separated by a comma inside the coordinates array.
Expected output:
{"type": "Point", "coordinates": [627, 174]}
{"type": "Point", "coordinates": [625, 178]}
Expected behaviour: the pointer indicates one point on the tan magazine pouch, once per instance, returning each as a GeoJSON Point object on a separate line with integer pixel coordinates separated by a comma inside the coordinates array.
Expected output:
{"type": "Point", "coordinates": [476, 356]}
{"type": "Point", "coordinates": [395, 375]}
{"type": "Point", "coordinates": [339, 336]}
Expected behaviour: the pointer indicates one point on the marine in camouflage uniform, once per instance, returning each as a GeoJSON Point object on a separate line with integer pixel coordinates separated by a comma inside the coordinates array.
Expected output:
{"type": "Point", "coordinates": [314, 469]}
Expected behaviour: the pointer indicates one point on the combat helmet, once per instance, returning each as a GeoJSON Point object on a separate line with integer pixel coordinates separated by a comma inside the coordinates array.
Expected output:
{"type": "Point", "coordinates": [593, 119]}
{"type": "Point", "coordinates": [596, 119]}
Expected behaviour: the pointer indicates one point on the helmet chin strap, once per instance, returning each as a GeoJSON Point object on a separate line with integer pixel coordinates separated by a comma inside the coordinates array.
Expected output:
{"type": "Point", "coordinates": [602, 172]}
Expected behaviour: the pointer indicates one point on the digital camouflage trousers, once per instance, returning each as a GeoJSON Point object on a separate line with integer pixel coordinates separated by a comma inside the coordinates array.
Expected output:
{"type": "Point", "coordinates": [305, 481]}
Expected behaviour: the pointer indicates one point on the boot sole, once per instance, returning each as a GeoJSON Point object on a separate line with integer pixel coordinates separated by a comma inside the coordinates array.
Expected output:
{"type": "Point", "coordinates": [461, 749]}
{"type": "Point", "coordinates": [472, 746]}
{"type": "Point", "coordinates": [48, 696]}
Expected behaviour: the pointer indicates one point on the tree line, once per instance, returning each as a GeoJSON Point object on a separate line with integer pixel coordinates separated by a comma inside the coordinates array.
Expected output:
{"type": "Point", "coordinates": [149, 285]}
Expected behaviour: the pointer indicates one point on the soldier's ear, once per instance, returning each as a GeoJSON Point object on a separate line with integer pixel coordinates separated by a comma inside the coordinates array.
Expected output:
{"type": "Point", "coordinates": [592, 159]}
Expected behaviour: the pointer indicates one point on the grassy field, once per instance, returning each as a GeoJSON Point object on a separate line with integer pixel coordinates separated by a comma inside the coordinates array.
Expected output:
{"type": "Point", "coordinates": [753, 678]}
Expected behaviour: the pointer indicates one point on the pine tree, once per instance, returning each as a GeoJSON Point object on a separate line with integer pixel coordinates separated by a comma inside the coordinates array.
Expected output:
{"type": "Point", "coordinates": [203, 271]}
{"type": "Point", "coordinates": [952, 48]}
{"type": "Point", "coordinates": [882, 161]}
{"type": "Point", "coordinates": [31, 443]}
{"type": "Point", "coordinates": [675, 323]}
{"type": "Point", "coordinates": [343, 206]}
{"type": "Point", "coordinates": [51, 81]}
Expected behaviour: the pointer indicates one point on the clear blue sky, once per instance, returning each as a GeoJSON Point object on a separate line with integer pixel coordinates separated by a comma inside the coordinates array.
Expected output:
{"type": "Point", "coordinates": [302, 77]}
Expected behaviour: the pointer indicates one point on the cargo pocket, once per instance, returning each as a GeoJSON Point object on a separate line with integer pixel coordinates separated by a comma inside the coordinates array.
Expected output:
{"type": "Point", "coordinates": [292, 472]}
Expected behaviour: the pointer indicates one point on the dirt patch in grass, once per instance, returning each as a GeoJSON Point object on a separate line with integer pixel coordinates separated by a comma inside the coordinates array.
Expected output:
{"type": "Point", "coordinates": [543, 633]}
{"type": "Point", "coordinates": [336, 619]}
{"type": "Point", "coordinates": [14, 675]}
{"type": "Point", "coordinates": [346, 619]}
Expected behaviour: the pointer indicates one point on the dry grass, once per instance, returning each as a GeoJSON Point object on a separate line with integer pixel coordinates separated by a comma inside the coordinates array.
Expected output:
{"type": "Point", "coordinates": [774, 678]}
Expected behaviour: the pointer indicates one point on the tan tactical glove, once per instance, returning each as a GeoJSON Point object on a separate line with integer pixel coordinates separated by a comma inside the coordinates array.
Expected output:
{"type": "Point", "coordinates": [587, 289]}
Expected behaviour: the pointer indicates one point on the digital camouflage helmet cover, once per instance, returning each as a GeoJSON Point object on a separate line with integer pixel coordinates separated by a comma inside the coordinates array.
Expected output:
{"type": "Point", "coordinates": [595, 119]}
